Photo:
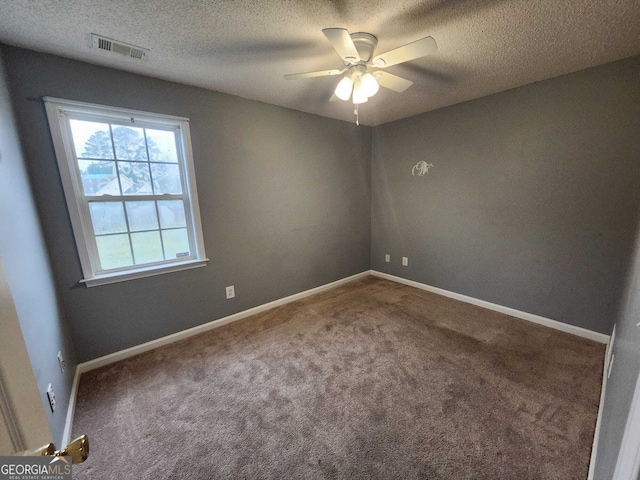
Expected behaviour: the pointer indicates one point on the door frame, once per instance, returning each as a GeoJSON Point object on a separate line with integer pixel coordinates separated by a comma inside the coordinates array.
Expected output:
{"type": "Point", "coordinates": [628, 464]}
{"type": "Point", "coordinates": [21, 407]}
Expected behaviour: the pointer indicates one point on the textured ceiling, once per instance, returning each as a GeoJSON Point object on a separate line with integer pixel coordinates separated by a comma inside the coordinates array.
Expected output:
{"type": "Point", "coordinates": [245, 47]}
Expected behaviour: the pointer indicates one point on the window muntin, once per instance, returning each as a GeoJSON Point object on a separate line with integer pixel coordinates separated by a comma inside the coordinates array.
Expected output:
{"type": "Point", "coordinates": [130, 189]}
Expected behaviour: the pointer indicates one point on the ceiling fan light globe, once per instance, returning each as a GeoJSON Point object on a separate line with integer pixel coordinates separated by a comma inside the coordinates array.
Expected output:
{"type": "Point", "coordinates": [343, 89]}
{"type": "Point", "coordinates": [369, 85]}
{"type": "Point", "coordinates": [359, 96]}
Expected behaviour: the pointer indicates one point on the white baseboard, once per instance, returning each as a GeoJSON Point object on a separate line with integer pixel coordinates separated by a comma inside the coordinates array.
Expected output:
{"type": "Point", "coordinates": [153, 344]}
{"type": "Point", "coordinates": [71, 409]}
{"type": "Point", "coordinates": [605, 376]}
{"type": "Point", "coordinates": [547, 322]}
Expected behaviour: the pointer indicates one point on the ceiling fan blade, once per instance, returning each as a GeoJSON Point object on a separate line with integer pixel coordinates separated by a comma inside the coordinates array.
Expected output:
{"type": "Point", "coordinates": [341, 41]}
{"type": "Point", "coordinates": [392, 82]}
{"type": "Point", "coordinates": [407, 52]}
{"type": "Point", "coordinates": [319, 73]}
{"type": "Point", "coordinates": [334, 98]}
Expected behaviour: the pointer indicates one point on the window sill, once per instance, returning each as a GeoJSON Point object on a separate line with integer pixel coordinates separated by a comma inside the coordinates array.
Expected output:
{"type": "Point", "coordinates": [142, 272]}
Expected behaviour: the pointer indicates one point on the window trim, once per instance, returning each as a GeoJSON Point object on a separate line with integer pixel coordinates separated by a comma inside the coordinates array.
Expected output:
{"type": "Point", "coordinates": [78, 203]}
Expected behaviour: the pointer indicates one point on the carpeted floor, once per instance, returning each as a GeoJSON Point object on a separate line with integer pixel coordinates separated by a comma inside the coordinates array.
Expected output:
{"type": "Point", "coordinates": [371, 380]}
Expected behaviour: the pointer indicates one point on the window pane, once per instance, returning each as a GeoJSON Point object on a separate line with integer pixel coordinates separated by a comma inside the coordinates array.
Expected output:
{"type": "Point", "coordinates": [129, 143]}
{"type": "Point", "coordinates": [176, 243]}
{"type": "Point", "coordinates": [166, 178]}
{"type": "Point", "coordinates": [91, 139]}
{"type": "Point", "coordinates": [99, 178]}
{"type": "Point", "coordinates": [107, 217]}
{"type": "Point", "coordinates": [114, 251]}
{"type": "Point", "coordinates": [162, 146]}
{"type": "Point", "coordinates": [147, 247]}
{"type": "Point", "coordinates": [142, 216]}
{"type": "Point", "coordinates": [171, 213]}
{"type": "Point", "coordinates": [135, 178]}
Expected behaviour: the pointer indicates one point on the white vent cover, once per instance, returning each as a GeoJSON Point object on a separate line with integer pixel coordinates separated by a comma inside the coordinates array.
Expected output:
{"type": "Point", "coordinates": [115, 46]}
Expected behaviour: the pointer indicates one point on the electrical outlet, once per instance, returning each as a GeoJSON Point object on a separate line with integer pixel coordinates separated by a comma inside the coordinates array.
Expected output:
{"type": "Point", "coordinates": [52, 398]}
{"type": "Point", "coordinates": [405, 261]}
{"type": "Point", "coordinates": [61, 362]}
{"type": "Point", "coordinates": [387, 257]}
{"type": "Point", "coordinates": [231, 292]}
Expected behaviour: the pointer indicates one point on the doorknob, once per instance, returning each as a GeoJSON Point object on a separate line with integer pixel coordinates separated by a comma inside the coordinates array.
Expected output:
{"type": "Point", "coordinates": [78, 450]}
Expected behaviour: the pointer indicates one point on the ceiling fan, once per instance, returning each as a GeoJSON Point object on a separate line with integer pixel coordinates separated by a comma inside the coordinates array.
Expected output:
{"type": "Point", "coordinates": [364, 74]}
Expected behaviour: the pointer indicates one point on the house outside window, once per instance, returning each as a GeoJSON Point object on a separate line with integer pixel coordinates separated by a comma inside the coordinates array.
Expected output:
{"type": "Point", "coordinates": [130, 188]}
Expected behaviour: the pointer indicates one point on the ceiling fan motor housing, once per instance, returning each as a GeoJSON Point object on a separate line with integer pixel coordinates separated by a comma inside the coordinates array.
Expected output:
{"type": "Point", "coordinates": [365, 45]}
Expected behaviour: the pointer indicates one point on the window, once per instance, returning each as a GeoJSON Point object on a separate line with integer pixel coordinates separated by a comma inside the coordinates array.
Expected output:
{"type": "Point", "coordinates": [130, 188]}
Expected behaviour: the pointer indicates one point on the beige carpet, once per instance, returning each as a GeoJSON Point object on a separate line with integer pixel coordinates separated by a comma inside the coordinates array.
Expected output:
{"type": "Point", "coordinates": [371, 380]}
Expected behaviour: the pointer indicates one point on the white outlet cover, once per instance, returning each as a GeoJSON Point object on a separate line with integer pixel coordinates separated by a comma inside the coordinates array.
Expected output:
{"type": "Point", "coordinates": [52, 398]}
{"type": "Point", "coordinates": [61, 362]}
{"type": "Point", "coordinates": [387, 258]}
{"type": "Point", "coordinates": [231, 292]}
{"type": "Point", "coordinates": [405, 261]}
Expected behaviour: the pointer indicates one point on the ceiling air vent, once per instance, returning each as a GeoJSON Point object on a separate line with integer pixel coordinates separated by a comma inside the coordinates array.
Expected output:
{"type": "Point", "coordinates": [110, 45]}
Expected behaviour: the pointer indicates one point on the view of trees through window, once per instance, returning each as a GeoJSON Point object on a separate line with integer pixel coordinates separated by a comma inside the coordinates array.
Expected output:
{"type": "Point", "coordinates": [123, 161]}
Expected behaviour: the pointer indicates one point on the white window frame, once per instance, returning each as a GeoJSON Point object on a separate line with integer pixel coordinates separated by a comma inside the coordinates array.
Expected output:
{"type": "Point", "coordinates": [59, 113]}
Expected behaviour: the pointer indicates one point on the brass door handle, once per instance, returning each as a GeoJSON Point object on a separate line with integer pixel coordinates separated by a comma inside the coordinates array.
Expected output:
{"type": "Point", "coordinates": [78, 450]}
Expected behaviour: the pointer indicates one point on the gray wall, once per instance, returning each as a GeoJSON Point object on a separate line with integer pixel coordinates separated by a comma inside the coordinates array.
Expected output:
{"type": "Point", "coordinates": [284, 198]}
{"type": "Point", "coordinates": [26, 263]}
{"type": "Point", "coordinates": [532, 202]}
{"type": "Point", "coordinates": [624, 375]}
